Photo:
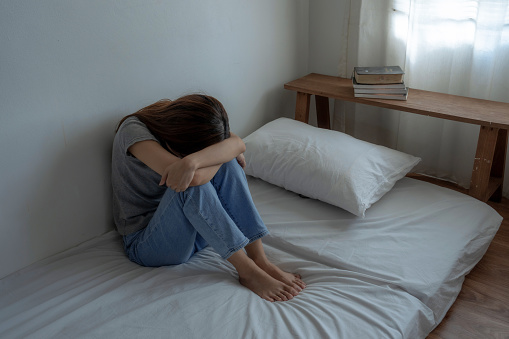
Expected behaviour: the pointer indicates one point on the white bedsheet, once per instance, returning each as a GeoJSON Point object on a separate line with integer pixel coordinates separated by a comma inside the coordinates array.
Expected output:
{"type": "Point", "coordinates": [393, 274]}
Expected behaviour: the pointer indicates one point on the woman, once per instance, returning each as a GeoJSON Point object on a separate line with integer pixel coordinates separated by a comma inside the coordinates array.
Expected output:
{"type": "Point", "coordinates": [178, 186]}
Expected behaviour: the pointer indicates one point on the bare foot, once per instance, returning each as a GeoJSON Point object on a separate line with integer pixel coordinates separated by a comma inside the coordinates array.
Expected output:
{"type": "Point", "coordinates": [290, 279]}
{"type": "Point", "coordinates": [255, 251]}
{"type": "Point", "coordinates": [259, 281]}
{"type": "Point", "coordinates": [267, 287]}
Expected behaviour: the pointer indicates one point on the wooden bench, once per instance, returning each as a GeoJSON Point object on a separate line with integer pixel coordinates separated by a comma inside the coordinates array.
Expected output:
{"type": "Point", "coordinates": [492, 116]}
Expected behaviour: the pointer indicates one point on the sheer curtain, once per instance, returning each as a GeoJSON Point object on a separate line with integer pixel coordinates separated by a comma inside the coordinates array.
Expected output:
{"type": "Point", "coordinates": [452, 46]}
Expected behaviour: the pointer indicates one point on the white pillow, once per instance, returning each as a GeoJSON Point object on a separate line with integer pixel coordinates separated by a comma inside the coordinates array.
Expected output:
{"type": "Point", "coordinates": [322, 164]}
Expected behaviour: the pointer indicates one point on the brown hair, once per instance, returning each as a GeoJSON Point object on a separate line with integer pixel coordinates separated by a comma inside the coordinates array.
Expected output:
{"type": "Point", "coordinates": [187, 124]}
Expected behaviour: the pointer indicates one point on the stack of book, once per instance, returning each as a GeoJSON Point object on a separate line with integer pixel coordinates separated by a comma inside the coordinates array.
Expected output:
{"type": "Point", "coordinates": [379, 83]}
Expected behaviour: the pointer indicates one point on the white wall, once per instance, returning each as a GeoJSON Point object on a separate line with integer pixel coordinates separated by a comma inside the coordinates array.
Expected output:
{"type": "Point", "coordinates": [328, 23]}
{"type": "Point", "coordinates": [328, 28]}
{"type": "Point", "coordinates": [69, 70]}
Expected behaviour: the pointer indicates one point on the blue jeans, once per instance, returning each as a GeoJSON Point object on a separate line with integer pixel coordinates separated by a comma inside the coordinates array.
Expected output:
{"type": "Point", "coordinates": [220, 213]}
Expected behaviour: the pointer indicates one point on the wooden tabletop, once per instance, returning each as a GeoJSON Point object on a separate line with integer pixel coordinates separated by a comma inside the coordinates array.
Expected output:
{"type": "Point", "coordinates": [439, 105]}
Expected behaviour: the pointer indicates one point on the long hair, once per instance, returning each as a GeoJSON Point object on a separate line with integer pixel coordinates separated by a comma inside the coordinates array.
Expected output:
{"type": "Point", "coordinates": [187, 124]}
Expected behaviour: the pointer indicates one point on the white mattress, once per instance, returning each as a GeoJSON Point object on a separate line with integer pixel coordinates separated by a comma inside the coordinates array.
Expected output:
{"type": "Point", "coordinates": [393, 274]}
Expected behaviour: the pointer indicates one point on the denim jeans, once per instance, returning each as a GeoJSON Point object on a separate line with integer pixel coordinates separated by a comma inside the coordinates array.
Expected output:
{"type": "Point", "coordinates": [220, 213]}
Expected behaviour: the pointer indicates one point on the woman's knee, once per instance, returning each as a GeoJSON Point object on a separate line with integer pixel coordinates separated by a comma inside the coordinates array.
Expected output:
{"type": "Point", "coordinates": [206, 188]}
{"type": "Point", "coordinates": [233, 165]}
{"type": "Point", "coordinates": [231, 169]}
{"type": "Point", "coordinates": [171, 197]}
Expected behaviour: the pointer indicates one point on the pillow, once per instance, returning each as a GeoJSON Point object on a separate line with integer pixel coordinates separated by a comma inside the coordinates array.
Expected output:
{"type": "Point", "coordinates": [326, 165]}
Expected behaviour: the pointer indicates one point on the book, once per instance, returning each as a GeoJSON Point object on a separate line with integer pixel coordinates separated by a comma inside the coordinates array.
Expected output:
{"type": "Point", "coordinates": [378, 75]}
{"type": "Point", "coordinates": [387, 96]}
{"type": "Point", "coordinates": [356, 85]}
{"type": "Point", "coordinates": [380, 90]}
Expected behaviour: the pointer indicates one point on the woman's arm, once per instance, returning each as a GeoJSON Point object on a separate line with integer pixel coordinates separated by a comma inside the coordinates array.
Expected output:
{"type": "Point", "coordinates": [193, 170]}
{"type": "Point", "coordinates": [219, 153]}
{"type": "Point", "coordinates": [152, 154]}
{"type": "Point", "coordinates": [205, 163]}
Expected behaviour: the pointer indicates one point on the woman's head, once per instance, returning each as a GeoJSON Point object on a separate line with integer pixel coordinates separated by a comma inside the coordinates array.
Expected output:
{"type": "Point", "coordinates": [186, 125]}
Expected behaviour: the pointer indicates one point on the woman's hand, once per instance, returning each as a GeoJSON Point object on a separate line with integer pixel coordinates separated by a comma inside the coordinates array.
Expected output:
{"type": "Point", "coordinates": [178, 175]}
{"type": "Point", "coordinates": [241, 160]}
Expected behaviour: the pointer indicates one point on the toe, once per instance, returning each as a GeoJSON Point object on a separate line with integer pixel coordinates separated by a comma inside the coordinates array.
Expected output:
{"type": "Point", "coordinates": [282, 297]}
{"type": "Point", "coordinates": [269, 299]}
{"type": "Point", "coordinates": [297, 287]}
{"type": "Point", "coordinates": [301, 284]}
{"type": "Point", "coordinates": [292, 290]}
{"type": "Point", "coordinates": [288, 295]}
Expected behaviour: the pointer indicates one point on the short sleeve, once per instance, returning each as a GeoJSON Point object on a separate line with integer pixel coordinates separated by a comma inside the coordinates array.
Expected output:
{"type": "Point", "coordinates": [132, 131]}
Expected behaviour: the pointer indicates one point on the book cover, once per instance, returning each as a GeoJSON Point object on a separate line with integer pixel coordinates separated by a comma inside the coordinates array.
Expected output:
{"type": "Point", "coordinates": [356, 85]}
{"type": "Point", "coordinates": [378, 75]}
{"type": "Point", "coordinates": [380, 90]}
{"type": "Point", "coordinates": [387, 96]}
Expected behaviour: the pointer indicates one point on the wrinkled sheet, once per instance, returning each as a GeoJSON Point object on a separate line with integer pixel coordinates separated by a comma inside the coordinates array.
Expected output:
{"type": "Point", "coordinates": [392, 274]}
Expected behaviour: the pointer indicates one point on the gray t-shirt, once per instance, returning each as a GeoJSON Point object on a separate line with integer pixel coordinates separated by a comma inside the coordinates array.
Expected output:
{"type": "Point", "coordinates": [136, 190]}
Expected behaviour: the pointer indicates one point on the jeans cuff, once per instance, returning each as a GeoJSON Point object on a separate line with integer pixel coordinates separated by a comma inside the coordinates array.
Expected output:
{"type": "Point", "coordinates": [258, 236]}
{"type": "Point", "coordinates": [235, 249]}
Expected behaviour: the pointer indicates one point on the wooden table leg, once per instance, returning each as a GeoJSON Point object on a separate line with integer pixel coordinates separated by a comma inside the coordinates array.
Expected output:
{"type": "Point", "coordinates": [302, 107]}
{"type": "Point", "coordinates": [489, 164]}
{"type": "Point", "coordinates": [498, 166]}
{"type": "Point", "coordinates": [322, 111]}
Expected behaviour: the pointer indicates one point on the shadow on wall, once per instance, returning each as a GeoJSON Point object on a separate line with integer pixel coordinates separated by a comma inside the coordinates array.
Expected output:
{"type": "Point", "coordinates": [71, 202]}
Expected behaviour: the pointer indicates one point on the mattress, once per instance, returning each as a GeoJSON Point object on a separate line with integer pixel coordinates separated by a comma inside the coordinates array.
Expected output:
{"type": "Point", "coordinates": [392, 274]}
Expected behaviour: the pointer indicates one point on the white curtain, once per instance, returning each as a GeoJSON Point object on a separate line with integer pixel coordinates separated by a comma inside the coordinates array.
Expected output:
{"type": "Point", "coordinates": [452, 46]}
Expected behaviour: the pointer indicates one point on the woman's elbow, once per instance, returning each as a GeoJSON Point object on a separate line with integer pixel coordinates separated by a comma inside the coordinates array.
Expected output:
{"type": "Point", "coordinates": [242, 146]}
{"type": "Point", "coordinates": [240, 143]}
